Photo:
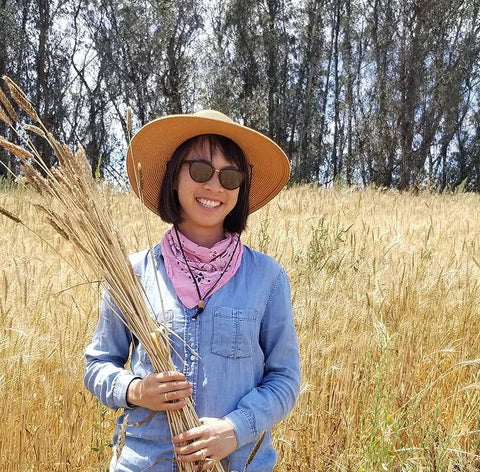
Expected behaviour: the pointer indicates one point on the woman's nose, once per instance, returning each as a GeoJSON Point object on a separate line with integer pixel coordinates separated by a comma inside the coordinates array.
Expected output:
{"type": "Point", "coordinates": [214, 181]}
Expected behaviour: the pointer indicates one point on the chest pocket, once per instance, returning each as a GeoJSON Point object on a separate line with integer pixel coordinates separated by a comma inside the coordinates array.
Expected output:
{"type": "Point", "coordinates": [234, 332]}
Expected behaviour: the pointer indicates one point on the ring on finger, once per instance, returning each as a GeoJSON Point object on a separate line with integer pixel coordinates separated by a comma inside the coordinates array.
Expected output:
{"type": "Point", "coordinates": [165, 396]}
{"type": "Point", "coordinates": [204, 457]}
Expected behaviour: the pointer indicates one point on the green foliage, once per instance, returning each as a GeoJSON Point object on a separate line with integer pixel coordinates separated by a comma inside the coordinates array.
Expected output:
{"type": "Point", "coordinates": [98, 168]}
{"type": "Point", "coordinates": [101, 443]}
{"type": "Point", "coordinates": [376, 93]}
{"type": "Point", "coordinates": [323, 251]}
{"type": "Point", "coordinates": [264, 234]}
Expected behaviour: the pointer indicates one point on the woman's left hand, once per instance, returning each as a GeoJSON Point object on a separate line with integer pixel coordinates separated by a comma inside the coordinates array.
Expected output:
{"type": "Point", "coordinates": [210, 442]}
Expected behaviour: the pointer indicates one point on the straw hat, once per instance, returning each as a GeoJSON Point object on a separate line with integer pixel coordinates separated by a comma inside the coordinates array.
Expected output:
{"type": "Point", "coordinates": [155, 143]}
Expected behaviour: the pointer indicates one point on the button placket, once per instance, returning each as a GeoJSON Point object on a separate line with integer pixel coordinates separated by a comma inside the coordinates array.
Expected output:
{"type": "Point", "coordinates": [191, 347]}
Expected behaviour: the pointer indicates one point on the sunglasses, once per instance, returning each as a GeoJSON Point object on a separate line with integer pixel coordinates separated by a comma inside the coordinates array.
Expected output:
{"type": "Point", "coordinates": [202, 171]}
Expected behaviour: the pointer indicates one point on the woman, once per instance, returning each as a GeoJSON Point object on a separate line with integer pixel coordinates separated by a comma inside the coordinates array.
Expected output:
{"type": "Point", "coordinates": [236, 352]}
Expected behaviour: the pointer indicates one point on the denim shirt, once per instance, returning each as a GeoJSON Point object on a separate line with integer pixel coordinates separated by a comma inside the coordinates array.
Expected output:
{"type": "Point", "coordinates": [240, 355]}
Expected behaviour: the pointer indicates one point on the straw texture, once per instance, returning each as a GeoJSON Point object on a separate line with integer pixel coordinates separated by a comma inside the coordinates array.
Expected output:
{"type": "Point", "coordinates": [73, 206]}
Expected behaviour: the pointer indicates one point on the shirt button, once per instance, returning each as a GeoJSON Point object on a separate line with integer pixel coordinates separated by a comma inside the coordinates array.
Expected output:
{"type": "Point", "coordinates": [192, 357]}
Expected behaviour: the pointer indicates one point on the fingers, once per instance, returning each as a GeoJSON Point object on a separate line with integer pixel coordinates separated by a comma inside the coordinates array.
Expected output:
{"type": "Point", "coordinates": [169, 376]}
{"type": "Point", "coordinates": [178, 405]}
{"type": "Point", "coordinates": [215, 438]}
{"type": "Point", "coordinates": [175, 400]}
{"type": "Point", "coordinates": [193, 446]}
{"type": "Point", "coordinates": [161, 391]}
{"type": "Point", "coordinates": [206, 462]}
{"type": "Point", "coordinates": [201, 456]}
{"type": "Point", "coordinates": [173, 394]}
{"type": "Point", "coordinates": [187, 436]}
{"type": "Point", "coordinates": [173, 383]}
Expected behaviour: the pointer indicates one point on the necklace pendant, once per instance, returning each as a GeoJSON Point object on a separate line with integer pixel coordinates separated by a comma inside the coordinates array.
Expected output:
{"type": "Point", "coordinates": [200, 306]}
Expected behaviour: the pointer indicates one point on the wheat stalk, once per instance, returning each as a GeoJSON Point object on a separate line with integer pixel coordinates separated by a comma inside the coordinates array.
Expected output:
{"type": "Point", "coordinates": [10, 215]}
{"type": "Point", "coordinates": [5, 118]}
{"type": "Point", "coordinates": [21, 99]}
{"type": "Point", "coordinates": [77, 212]}
{"type": "Point", "coordinates": [254, 451]}
{"type": "Point", "coordinates": [16, 150]}
{"type": "Point", "coordinates": [121, 438]}
{"type": "Point", "coordinates": [35, 129]}
{"type": "Point", "coordinates": [8, 106]}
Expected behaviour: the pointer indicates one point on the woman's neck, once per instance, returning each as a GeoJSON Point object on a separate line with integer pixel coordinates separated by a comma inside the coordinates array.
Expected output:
{"type": "Point", "coordinates": [204, 238]}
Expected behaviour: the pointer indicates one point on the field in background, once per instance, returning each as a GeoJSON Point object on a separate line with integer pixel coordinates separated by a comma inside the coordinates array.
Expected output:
{"type": "Point", "coordinates": [385, 290]}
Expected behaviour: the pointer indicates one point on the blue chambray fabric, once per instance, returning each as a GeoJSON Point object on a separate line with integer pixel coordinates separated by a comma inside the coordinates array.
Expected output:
{"type": "Point", "coordinates": [240, 355]}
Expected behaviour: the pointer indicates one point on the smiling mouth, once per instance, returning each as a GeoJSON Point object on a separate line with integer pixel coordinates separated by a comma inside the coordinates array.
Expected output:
{"type": "Point", "coordinates": [208, 203]}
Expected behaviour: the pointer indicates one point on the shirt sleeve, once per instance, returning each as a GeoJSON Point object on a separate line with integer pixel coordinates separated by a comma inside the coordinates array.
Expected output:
{"type": "Point", "coordinates": [105, 358]}
{"type": "Point", "coordinates": [271, 401]}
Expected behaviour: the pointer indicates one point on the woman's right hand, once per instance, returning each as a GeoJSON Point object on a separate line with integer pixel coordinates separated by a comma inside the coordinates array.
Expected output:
{"type": "Point", "coordinates": [160, 391]}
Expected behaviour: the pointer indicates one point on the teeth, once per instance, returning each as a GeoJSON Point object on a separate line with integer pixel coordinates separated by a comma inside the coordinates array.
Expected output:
{"type": "Point", "coordinates": [208, 203]}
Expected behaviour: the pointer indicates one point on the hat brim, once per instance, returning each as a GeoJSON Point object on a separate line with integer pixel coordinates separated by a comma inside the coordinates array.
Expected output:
{"type": "Point", "coordinates": [154, 144]}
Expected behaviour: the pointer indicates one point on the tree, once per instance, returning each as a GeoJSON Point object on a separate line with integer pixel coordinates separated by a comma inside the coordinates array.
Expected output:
{"type": "Point", "coordinates": [375, 92]}
{"type": "Point", "coordinates": [145, 47]}
{"type": "Point", "coordinates": [9, 30]}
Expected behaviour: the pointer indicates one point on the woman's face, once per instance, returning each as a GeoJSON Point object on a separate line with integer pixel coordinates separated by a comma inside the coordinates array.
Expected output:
{"type": "Point", "coordinates": [204, 206]}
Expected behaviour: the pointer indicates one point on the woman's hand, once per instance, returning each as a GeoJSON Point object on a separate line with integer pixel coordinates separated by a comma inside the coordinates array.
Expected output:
{"type": "Point", "coordinates": [210, 442]}
{"type": "Point", "coordinates": [160, 391]}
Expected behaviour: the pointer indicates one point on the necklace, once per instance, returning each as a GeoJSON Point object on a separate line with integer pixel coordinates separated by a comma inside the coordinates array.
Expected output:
{"type": "Point", "coordinates": [201, 300]}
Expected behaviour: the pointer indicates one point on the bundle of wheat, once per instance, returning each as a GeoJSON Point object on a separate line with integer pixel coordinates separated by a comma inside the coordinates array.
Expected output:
{"type": "Point", "coordinates": [74, 207]}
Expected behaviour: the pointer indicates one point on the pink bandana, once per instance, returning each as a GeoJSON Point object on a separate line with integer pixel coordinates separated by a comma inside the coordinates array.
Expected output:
{"type": "Point", "coordinates": [206, 264]}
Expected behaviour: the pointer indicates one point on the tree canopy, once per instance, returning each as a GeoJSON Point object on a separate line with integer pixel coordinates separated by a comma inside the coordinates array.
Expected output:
{"type": "Point", "coordinates": [360, 92]}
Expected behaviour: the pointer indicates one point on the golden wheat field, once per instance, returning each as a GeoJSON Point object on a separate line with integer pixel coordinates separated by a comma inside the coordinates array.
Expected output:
{"type": "Point", "coordinates": [385, 290]}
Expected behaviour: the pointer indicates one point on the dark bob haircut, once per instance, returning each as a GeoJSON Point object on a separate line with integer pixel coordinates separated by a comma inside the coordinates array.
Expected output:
{"type": "Point", "coordinates": [169, 205]}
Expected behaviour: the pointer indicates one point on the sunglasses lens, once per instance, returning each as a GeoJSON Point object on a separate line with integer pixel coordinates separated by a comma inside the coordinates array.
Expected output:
{"type": "Point", "coordinates": [201, 171]}
{"type": "Point", "coordinates": [231, 178]}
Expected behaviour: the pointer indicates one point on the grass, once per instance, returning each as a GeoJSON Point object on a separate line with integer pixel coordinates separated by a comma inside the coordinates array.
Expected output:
{"type": "Point", "coordinates": [385, 293]}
